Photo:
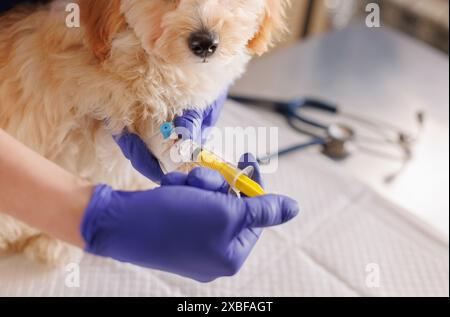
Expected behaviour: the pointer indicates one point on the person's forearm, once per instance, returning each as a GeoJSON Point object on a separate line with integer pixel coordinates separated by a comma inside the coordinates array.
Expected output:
{"type": "Point", "coordinates": [40, 193]}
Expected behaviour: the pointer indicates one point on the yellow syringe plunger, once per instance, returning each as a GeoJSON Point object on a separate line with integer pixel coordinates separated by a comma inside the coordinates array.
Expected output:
{"type": "Point", "coordinates": [234, 176]}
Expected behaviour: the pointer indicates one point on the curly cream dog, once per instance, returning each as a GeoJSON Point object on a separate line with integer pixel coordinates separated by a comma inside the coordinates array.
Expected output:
{"type": "Point", "coordinates": [132, 63]}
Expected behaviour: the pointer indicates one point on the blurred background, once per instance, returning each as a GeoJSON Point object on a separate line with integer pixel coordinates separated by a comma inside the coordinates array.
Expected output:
{"type": "Point", "coordinates": [386, 79]}
{"type": "Point", "coordinates": [427, 20]}
{"type": "Point", "coordinates": [389, 74]}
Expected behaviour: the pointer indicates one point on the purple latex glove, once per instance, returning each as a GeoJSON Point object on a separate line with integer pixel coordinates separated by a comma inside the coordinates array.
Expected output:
{"type": "Point", "coordinates": [196, 123]}
{"type": "Point", "coordinates": [142, 159]}
{"type": "Point", "coordinates": [193, 122]}
{"type": "Point", "coordinates": [188, 226]}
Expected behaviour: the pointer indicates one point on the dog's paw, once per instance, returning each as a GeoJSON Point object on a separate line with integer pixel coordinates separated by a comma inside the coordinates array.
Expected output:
{"type": "Point", "coordinates": [13, 234]}
{"type": "Point", "coordinates": [4, 245]}
{"type": "Point", "coordinates": [52, 252]}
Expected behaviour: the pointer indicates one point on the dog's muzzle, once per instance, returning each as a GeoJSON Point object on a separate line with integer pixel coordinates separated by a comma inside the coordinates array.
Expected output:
{"type": "Point", "coordinates": [203, 43]}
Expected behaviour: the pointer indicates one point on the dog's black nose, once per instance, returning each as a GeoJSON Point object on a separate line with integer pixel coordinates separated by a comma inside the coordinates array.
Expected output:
{"type": "Point", "coordinates": [203, 43]}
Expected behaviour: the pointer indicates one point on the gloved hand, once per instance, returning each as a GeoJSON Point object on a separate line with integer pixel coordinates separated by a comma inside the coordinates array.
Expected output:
{"type": "Point", "coordinates": [193, 122]}
{"type": "Point", "coordinates": [196, 123]}
{"type": "Point", "coordinates": [188, 226]}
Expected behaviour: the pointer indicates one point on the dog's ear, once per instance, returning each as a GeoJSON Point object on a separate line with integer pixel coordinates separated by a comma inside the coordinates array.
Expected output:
{"type": "Point", "coordinates": [273, 25]}
{"type": "Point", "coordinates": [102, 20]}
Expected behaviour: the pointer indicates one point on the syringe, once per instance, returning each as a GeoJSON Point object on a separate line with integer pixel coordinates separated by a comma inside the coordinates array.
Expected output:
{"type": "Point", "coordinates": [235, 177]}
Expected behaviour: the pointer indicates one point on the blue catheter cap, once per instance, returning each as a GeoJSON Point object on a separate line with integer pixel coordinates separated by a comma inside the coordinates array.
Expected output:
{"type": "Point", "coordinates": [166, 129]}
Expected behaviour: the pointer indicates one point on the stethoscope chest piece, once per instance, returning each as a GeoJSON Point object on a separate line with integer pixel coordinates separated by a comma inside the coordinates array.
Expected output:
{"type": "Point", "coordinates": [338, 144]}
{"type": "Point", "coordinates": [336, 149]}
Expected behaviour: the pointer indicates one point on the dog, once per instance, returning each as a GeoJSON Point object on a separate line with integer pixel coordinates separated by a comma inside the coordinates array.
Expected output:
{"type": "Point", "coordinates": [131, 64]}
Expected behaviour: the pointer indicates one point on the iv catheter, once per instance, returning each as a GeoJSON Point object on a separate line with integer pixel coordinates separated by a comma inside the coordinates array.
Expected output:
{"type": "Point", "coordinates": [238, 179]}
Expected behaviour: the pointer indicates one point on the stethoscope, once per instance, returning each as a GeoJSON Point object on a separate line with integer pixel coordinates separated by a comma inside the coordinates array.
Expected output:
{"type": "Point", "coordinates": [339, 140]}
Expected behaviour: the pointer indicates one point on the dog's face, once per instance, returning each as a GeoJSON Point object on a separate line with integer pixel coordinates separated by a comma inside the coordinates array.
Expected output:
{"type": "Point", "coordinates": [194, 48]}
{"type": "Point", "coordinates": [193, 31]}
{"type": "Point", "coordinates": [186, 31]}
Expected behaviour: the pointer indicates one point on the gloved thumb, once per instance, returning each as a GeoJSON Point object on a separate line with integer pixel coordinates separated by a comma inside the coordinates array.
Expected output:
{"type": "Point", "coordinates": [135, 150]}
{"type": "Point", "coordinates": [270, 210]}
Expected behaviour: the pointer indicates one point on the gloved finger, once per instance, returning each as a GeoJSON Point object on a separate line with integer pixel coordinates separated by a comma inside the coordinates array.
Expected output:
{"type": "Point", "coordinates": [174, 179]}
{"type": "Point", "coordinates": [140, 156]}
{"type": "Point", "coordinates": [201, 178]}
{"type": "Point", "coordinates": [240, 247]}
{"type": "Point", "coordinates": [207, 179]}
{"type": "Point", "coordinates": [246, 240]}
{"type": "Point", "coordinates": [270, 210]}
{"type": "Point", "coordinates": [249, 160]}
{"type": "Point", "coordinates": [212, 113]}
{"type": "Point", "coordinates": [211, 180]}
{"type": "Point", "coordinates": [189, 125]}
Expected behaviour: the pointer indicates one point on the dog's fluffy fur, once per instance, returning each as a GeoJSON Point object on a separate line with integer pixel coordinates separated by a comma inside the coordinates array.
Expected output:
{"type": "Point", "coordinates": [65, 91]}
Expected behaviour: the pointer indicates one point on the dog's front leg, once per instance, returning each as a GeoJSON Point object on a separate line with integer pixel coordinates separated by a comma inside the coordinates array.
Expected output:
{"type": "Point", "coordinates": [165, 150]}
